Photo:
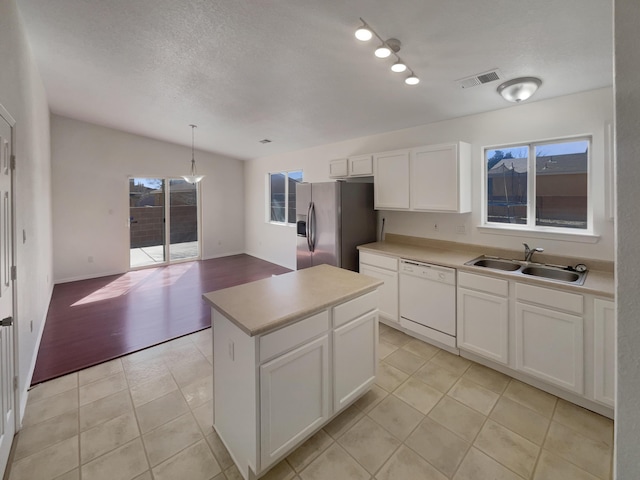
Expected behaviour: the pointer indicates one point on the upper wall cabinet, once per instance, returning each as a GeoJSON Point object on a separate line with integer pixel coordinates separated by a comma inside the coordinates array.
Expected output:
{"type": "Point", "coordinates": [358, 166]}
{"type": "Point", "coordinates": [433, 178]}
{"type": "Point", "coordinates": [441, 178]}
{"type": "Point", "coordinates": [391, 180]}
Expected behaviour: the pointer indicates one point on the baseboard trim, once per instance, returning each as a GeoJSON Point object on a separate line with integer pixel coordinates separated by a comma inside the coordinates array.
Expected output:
{"type": "Point", "coordinates": [24, 393]}
{"type": "Point", "coordinates": [88, 277]}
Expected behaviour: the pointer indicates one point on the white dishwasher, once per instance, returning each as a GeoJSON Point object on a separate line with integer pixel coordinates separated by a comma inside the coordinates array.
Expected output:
{"type": "Point", "coordinates": [428, 300]}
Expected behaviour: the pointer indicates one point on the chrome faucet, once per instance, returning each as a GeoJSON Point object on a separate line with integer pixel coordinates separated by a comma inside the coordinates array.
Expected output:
{"type": "Point", "coordinates": [528, 252]}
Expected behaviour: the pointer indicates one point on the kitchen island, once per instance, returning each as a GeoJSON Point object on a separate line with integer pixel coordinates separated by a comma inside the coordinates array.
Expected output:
{"type": "Point", "coordinates": [290, 353]}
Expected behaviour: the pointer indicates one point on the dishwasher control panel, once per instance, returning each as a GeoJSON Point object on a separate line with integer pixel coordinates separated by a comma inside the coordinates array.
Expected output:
{"type": "Point", "coordinates": [427, 271]}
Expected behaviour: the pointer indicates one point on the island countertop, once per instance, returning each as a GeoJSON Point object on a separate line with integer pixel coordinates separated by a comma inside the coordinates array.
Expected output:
{"type": "Point", "coordinates": [265, 305]}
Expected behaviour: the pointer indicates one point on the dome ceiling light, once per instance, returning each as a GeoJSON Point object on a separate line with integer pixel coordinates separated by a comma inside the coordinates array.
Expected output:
{"type": "Point", "coordinates": [519, 89]}
{"type": "Point", "coordinates": [388, 48]}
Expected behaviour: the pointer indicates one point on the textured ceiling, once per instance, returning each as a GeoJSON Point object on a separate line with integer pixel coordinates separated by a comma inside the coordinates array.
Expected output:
{"type": "Point", "coordinates": [292, 71]}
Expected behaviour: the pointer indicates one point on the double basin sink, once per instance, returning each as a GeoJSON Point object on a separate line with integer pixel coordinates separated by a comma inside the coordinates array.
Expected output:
{"type": "Point", "coordinates": [540, 270]}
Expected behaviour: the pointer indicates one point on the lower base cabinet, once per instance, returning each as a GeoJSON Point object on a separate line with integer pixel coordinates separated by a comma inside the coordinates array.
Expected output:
{"type": "Point", "coordinates": [289, 415]}
{"type": "Point", "coordinates": [355, 359]}
{"type": "Point", "coordinates": [271, 392]}
{"type": "Point", "coordinates": [549, 346]}
{"type": "Point", "coordinates": [483, 316]}
{"type": "Point", "coordinates": [604, 346]}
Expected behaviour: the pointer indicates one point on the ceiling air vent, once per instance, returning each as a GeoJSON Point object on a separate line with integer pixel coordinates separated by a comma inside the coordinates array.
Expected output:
{"type": "Point", "coordinates": [265, 140]}
{"type": "Point", "coordinates": [480, 79]}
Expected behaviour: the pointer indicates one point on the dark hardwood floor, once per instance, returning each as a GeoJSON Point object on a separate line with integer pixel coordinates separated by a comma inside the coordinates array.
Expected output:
{"type": "Point", "coordinates": [92, 321]}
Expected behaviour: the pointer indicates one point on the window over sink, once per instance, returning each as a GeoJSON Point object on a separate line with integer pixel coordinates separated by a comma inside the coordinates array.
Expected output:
{"type": "Point", "coordinates": [282, 196]}
{"type": "Point", "coordinates": [541, 186]}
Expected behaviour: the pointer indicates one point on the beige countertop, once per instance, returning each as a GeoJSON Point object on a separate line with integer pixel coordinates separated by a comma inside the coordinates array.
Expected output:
{"type": "Point", "coordinates": [598, 282]}
{"type": "Point", "coordinates": [272, 303]}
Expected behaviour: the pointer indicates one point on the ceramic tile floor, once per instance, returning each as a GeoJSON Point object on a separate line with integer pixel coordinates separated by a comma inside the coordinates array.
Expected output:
{"type": "Point", "coordinates": [432, 415]}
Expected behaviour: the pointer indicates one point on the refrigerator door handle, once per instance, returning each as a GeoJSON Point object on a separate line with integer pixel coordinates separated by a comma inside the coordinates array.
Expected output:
{"type": "Point", "coordinates": [308, 227]}
{"type": "Point", "coordinates": [312, 227]}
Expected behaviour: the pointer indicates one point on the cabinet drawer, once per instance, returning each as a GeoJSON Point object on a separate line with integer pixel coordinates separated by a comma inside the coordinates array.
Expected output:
{"type": "Point", "coordinates": [390, 263]}
{"type": "Point", "coordinates": [481, 283]}
{"type": "Point", "coordinates": [288, 337]}
{"type": "Point", "coordinates": [347, 311]}
{"type": "Point", "coordinates": [569, 302]}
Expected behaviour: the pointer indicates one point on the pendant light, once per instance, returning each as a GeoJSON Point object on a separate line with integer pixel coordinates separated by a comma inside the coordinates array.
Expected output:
{"type": "Point", "coordinates": [193, 177]}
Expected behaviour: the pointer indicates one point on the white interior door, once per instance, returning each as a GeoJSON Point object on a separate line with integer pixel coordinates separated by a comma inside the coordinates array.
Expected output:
{"type": "Point", "coordinates": [7, 393]}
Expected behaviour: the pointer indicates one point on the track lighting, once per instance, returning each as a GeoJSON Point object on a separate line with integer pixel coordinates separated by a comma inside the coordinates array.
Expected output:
{"type": "Point", "coordinates": [385, 50]}
{"type": "Point", "coordinates": [382, 51]}
{"type": "Point", "coordinates": [412, 79]}
{"type": "Point", "coordinates": [398, 67]}
{"type": "Point", "coordinates": [363, 33]}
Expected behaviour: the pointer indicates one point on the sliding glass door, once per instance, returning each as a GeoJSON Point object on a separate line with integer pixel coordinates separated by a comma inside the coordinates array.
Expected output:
{"type": "Point", "coordinates": [157, 234]}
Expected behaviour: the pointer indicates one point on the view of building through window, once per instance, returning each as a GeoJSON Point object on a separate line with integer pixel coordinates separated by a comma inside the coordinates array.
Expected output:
{"type": "Point", "coordinates": [559, 188]}
{"type": "Point", "coordinates": [282, 196]}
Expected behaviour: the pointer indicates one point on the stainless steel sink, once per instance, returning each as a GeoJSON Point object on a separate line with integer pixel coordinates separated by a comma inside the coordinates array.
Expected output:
{"type": "Point", "coordinates": [552, 273]}
{"type": "Point", "coordinates": [497, 263]}
{"type": "Point", "coordinates": [517, 267]}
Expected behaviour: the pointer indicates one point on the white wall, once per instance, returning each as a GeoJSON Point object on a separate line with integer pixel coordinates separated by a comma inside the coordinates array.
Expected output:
{"type": "Point", "coordinates": [580, 114]}
{"type": "Point", "coordinates": [91, 166]}
{"type": "Point", "coordinates": [23, 95]}
{"type": "Point", "coordinates": [627, 67]}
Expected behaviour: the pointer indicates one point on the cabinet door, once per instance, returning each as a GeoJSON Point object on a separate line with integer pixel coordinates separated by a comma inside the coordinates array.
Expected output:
{"type": "Point", "coordinates": [338, 168]}
{"type": "Point", "coordinates": [604, 339]}
{"type": "Point", "coordinates": [387, 293]}
{"type": "Point", "coordinates": [360, 166]}
{"type": "Point", "coordinates": [354, 359]}
{"type": "Point", "coordinates": [434, 178]}
{"type": "Point", "coordinates": [294, 398]}
{"type": "Point", "coordinates": [391, 180]}
{"type": "Point", "coordinates": [549, 346]}
{"type": "Point", "coordinates": [483, 324]}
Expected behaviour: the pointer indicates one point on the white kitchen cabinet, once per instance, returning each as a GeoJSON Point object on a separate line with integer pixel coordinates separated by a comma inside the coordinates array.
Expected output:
{"type": "Point", "coordinates": [391, 180]}
{"type": "Point", "coordinates": [277, 387]}
{"type": "Point", "coordinates": [288, 415]}
{"type": "Point", "coordinates": [549, 341]}
{"type": "Point", "coordinates": [357, 166]}
{"type": "Point", "coordinates": [339, 168]}
{"type": "Point", "coordinates": [483, 316]}
{"type": "Point", "coordinates": [354, 359]}
{"type": "Point", "coordinates": [386, 269]}
{"type": "Point", "coordinates": [604, 346]}
{"type": "Point", "coordinates": [440, 178]}
{"type": "Point", "coordinates": [361, 166]}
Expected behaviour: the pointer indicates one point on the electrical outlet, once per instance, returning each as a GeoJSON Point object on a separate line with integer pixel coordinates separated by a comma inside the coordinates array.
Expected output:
{"type": "Point", "coordinates": [461, 229]}
{"type": "Point", "coordinates": [90, 259]}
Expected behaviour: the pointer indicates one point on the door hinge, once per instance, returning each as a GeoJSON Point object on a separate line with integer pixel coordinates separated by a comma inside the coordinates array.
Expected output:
{"type": "Point", "coordinates": [12, 162]}
{"type": "Point", "coordinates": [14, 272]}
{"type": "Point", "coordinates": [15, 383]}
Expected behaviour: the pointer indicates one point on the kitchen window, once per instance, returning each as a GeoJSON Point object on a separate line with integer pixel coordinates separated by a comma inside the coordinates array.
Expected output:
{"type": "Point", "coordinates": [282, 196]}
{"type": "Point", "coordinates": [540, 186]}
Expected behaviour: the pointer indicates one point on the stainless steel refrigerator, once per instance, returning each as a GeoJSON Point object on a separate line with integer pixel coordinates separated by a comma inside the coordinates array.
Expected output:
{"type": "Point", "coordinates": [332, 219]}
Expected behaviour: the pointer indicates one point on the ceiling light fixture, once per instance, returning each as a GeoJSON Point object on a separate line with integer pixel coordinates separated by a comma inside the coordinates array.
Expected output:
{"type": "Point", "coordinates": [194, 177]}
{"type": "Point", "coordinates": [398, 67]}
{"type": "Point", "coordinates": [386, 49]}
{"type": "Point", "coordinates": [412, 79]}
{"type": "Point", "coordinates": [519, 89]}
{"type": "Point", "coordinates": [363, 33]}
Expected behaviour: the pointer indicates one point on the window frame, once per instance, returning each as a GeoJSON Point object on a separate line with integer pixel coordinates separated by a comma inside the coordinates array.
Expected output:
{"type": "Point", "coordinates": [585, 235]}
{"type": "Point", "coordinates": [286, 174]}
